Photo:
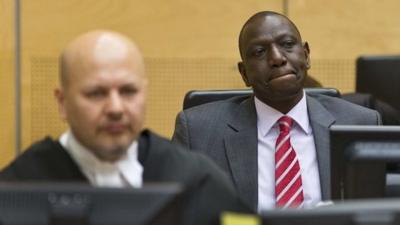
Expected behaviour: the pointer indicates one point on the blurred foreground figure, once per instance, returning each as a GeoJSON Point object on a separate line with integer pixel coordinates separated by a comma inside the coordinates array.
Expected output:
{"type": "Point", "coordinates": [102, 97]}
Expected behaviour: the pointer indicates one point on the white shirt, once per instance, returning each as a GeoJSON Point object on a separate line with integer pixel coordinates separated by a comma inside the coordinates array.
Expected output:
{"type": "Point", "coordinates": [302, 141]}
{"type": "Point", "coordinates": [126, 172]}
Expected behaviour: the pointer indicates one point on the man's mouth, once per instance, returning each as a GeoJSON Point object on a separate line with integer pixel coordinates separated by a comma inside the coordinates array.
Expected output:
{"type": "Point", "coordinates": [115, 128]}
{"type": "Point", "coordinates": [283, 77]}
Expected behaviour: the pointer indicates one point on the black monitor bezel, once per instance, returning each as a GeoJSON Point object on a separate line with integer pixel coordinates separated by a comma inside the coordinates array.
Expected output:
{"type": "Point", "coordinates": [360, 212]}
{"type": "Point", "coordinates": [349, 163]}
{"type": "Point", "coordinates": [68, 203]}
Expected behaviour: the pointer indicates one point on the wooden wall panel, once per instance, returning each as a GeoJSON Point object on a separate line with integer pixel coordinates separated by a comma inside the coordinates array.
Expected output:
{"type": "Point", "coordinates": [7, 106]}
{"type": "Point", "coordinates": [339, 31]}
{"type": "Point", "coordinates": [186, 44]}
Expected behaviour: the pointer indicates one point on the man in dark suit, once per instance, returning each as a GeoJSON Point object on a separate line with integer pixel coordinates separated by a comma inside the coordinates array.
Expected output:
{"type": "Point", "coordinates": [102, 98]}
{"type": "Point", "coordinates": [275, 144]}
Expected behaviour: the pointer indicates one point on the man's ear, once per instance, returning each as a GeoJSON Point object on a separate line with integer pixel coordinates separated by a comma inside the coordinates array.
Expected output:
{"type": "Point", "coordinates": [59, 95]}
{"type": "Point", "coordinates": [307, 54]}
{"type": "Point", "coordinates": [242, 71]}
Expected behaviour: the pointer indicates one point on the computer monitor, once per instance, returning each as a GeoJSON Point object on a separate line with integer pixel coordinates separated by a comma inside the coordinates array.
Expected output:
{"type": "Point", "coordinates": [379, 76]}
{"type": "Point", "coordinates": [361, 212]}
{"type": "Point", "coordinates": [60, 204]}
{"type": "Point", "coordinates": [359, 155]}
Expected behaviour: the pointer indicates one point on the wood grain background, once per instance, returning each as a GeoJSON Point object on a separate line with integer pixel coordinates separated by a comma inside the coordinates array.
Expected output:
{"type": "Point", "coordinates": [187, 45]}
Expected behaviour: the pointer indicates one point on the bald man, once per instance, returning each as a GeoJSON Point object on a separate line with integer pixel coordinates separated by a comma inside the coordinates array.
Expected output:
{"type": "Point", "coordinates": [102, 98]}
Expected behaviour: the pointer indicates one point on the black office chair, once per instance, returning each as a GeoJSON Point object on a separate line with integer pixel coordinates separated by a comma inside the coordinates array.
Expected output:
{"type": "Point", "coordinates": [389, 114]}
{"type": "Point", "coordinates": [198, 97]}
{"type": "Point", "coordinates": [378, 86]}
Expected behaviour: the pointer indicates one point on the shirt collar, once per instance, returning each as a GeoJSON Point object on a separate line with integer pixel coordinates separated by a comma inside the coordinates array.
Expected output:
{"type": "Point", "coordinates": [94, 168]}
{"type": "Point", "coordinates": [268, 116]}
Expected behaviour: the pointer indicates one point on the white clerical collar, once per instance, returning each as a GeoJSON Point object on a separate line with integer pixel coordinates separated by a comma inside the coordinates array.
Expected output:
{"type": "Point", "coordinates": [268, 116]}
{"type": "Point", "coordinates": [127, 171]}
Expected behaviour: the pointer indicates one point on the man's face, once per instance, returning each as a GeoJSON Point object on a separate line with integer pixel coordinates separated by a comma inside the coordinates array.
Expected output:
{"type": "Point", "coordinates": [275, 62]}
{"type": "Point", "coordinates": [104, 105]}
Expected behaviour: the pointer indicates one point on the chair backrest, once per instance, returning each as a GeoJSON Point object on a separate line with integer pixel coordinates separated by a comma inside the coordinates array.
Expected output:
{"type": "Point", "coordinates": [380, 76]}
{"type": "Point", "coordinates": [198, 97]}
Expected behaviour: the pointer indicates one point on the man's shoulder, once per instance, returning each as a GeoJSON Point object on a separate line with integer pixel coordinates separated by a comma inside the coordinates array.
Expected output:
{"type": "Point", "coordinates": [42, 148]}
{"type": "Point", "coordinates": [335, 102]}
{"type": "Point", "coordinates": [166, 148]}
{"type": "Point", "coordinates": [218, 105]}
{"type": "Point", "coordinates": [345, 110]}
{"type": "Point", "coordinates": [213, 113]}
{"type": "Point", "coordinates": [33, 159]}
{"type": "Point", "coordinates": [176, 155]}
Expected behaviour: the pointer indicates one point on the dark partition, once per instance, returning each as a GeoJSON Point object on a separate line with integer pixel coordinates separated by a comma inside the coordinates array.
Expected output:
{"type": "Point", "coordinates": [69, 204]}
{"type": "Point", "coordinates": [365, 212]}
{"type": "Point", "coordinates": [380, 76]}
{"type": "Point", "coordinates": [359, 155]}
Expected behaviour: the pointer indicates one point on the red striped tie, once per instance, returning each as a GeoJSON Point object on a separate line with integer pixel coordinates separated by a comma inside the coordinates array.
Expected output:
{"type": "Point", "coordinates": [288, 184]}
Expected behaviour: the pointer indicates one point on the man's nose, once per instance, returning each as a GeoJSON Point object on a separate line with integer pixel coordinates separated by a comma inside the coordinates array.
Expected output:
{"type": "Point", "coordinates": [275, 57]}
{"type": "Point", "coordinates": [114, 107]}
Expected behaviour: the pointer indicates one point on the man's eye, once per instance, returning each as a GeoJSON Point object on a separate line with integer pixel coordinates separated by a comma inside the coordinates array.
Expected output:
{"type": "Point", "coordinates": [288, 44]}
{"type": "Point", "coordinates": [96, 94]}
{"type": "Point", "coordinates": [258, 52]}
{"type": "Point", "coordinates": [128, 91]}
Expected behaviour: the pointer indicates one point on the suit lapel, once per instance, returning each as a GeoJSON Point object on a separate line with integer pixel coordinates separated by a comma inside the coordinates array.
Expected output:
{"type": "Point", "coordinates": [321, 120]}
{"type": "Point", "coordinates": [241, 145]}
{"type": "Point", "coordinates": [240, 141]}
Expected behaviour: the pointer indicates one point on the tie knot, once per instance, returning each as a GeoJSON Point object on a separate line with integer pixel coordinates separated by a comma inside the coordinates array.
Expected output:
{"type": "Point", "coordinates": [285, 123]}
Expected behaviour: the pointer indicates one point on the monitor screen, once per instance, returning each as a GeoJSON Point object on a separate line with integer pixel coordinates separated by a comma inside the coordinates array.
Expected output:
{"type": "Point", "coordinates": [60, 204]}
{"type": "Point", "coordinates": [361, 212]}
{"type": "Point", "coordinates": [377, 75]}
{"type": "Point", "coordinates": [359, 155]}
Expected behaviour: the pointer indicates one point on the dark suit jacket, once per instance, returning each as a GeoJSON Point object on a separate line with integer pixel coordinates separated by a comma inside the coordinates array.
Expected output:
{"type": "Point", "coordinates": [226, 131]}
{"type": "Point", "coordinates": [209, 191]}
